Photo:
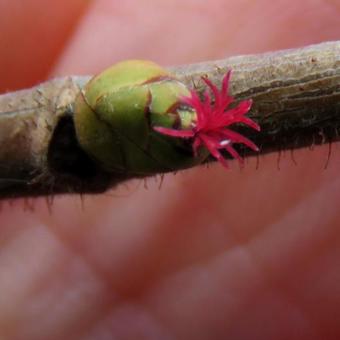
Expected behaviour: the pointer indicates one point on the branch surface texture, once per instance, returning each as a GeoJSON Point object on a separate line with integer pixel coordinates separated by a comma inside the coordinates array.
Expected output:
{"type": "Point", "coordinates": [296, 101]}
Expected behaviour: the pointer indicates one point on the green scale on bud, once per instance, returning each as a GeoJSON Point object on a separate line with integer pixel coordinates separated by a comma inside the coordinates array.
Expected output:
{"type": "Point", "coordinates": [116, 112]}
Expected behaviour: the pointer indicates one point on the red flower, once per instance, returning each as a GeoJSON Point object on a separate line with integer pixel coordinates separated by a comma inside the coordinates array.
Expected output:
{"type": "Point", "coordinates": [211, 127]}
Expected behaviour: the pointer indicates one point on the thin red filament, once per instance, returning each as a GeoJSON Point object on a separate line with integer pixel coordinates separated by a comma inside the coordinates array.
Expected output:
{"type": "Point", "coordinates": [211, 129]}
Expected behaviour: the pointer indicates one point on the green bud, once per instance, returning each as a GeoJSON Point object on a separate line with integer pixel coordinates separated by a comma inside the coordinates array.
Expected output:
{"type": "Point", "coordinates": [117, 110]}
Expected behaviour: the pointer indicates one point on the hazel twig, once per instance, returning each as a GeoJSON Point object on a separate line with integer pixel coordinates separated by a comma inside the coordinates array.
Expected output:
{"type": "Point", "coordinates": [296, 96]}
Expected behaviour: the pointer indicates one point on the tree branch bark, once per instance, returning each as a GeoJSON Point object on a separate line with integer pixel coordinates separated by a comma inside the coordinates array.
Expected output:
{"type": "Point", "coordinates": [296, 95]}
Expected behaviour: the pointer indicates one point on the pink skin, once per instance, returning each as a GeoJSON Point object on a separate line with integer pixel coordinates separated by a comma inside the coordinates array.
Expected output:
{"type": "Point", "coordinates": [213, 254]}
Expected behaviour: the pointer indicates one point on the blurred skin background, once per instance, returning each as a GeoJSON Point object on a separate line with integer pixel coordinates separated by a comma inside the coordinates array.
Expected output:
{"type": "Point", "coordinates": [251, 254]}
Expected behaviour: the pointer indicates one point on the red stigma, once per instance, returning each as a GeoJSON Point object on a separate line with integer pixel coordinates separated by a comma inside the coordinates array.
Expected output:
{"type": "Point", "coordinates": [211, 129]}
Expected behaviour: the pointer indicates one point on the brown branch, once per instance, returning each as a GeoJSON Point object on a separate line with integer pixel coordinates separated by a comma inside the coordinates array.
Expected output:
{"type": "Point", "coordinates": [296, 96]}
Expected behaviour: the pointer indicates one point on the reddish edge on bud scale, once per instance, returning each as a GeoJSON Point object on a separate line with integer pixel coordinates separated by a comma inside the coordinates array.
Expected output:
{"type": "Point", "coordinates": [211, 127]}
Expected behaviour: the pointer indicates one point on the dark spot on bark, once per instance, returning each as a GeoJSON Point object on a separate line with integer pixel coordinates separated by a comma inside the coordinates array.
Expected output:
{"type": "Point", "coordinates": [69, 164]}
{"type": "Point", "coordinates": [65, 154]}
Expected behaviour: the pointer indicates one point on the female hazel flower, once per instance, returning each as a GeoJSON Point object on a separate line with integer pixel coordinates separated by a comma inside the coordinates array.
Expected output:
{"type": "Point", "coordinates": [125, 116]}
{"type": "Point", "coordinates": [211, 128]}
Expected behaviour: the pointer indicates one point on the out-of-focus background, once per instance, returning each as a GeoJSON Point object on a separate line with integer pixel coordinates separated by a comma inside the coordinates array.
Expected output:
{"type": "Point", "coordinates": [35, 33]}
